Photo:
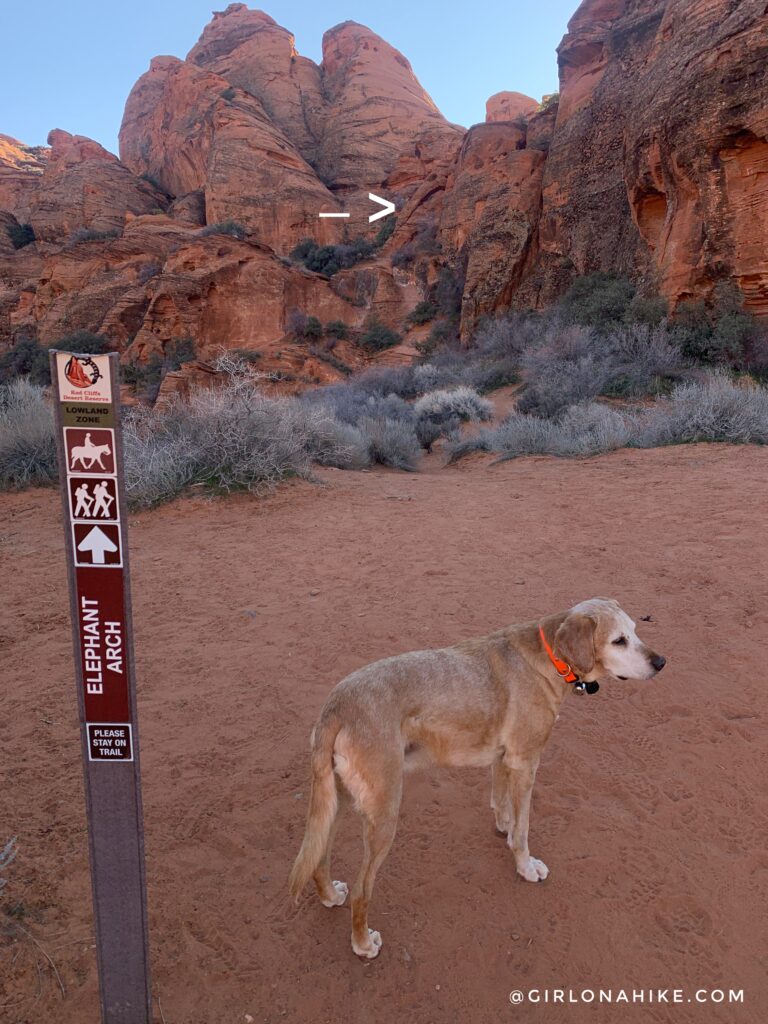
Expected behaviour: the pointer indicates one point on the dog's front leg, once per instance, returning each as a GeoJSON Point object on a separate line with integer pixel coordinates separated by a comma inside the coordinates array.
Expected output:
{"type": "Point", "coordinates": [522, 774]}
{"type": "Point", "coordinates": [500, 797]}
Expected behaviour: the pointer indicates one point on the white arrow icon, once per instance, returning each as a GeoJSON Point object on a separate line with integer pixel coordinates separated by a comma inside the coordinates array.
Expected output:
{"type": "Point", "coordinates": [388, 207]}
{"type": "Point", "coordinates": [97, 542]}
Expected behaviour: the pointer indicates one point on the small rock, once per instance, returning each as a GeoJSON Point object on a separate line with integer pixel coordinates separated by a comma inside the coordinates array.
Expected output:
{"type": "Point", "coordinates": [314, 593]}
{"type": "Point", "coordinates": [298, 796]}
{"type": "Point", "coordinates": [248, 1019]}
{"type": "Point", "coordinates": [249, 613]}
{"type": "Point", "coordinates": [437, 988]}
{"type": "Point", "coordinates": [515, 935]}
{"type": "Point", "coordinates": [407, 956]}
{"type": "Point", "coordinates": [264, 878]}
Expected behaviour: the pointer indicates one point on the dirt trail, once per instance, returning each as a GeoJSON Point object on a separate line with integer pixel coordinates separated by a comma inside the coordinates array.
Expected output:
{"type": "Point", "coordinates": [650, 808]}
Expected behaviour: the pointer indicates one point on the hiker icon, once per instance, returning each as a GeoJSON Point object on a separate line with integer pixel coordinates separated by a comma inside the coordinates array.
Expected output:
{"type": "Point", "coordinates": [102, 499]}
{"type": "Point", "coordinates": [93, 498]}
{"type": "Point", "coordinates": [89, 454]}
{"type": "Point", "coordinates": [84, 501]}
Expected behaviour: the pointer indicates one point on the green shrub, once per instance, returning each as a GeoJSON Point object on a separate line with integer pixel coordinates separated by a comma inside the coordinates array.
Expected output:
{"type": "Point", "coordinates": [337, 329]}
{"type": "Point", "coordinates": [85, 342]}
{"type": "Point", "coordinates": [312, 328]}
{"type": "Point", "coordinates": [21, 235]}
{"type": "Point", "coordinates": [378, 336]}
{"type": "Point", "coordinates": [423, 312]}
{"type": "Point", "coordinates": [651, 310]}
{"type": "Point", "coordinates": [597, 300]}
{"type": "Point", "coordinates": [330, 259]}
{"type": "Point", "coordinates": [146, 378]}
{"type": "Point", "coordinates": [27, 358]}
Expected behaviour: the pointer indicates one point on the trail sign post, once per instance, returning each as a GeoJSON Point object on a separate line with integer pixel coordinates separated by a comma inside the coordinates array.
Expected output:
{"type": "Point", "coordinates": [87, 409]}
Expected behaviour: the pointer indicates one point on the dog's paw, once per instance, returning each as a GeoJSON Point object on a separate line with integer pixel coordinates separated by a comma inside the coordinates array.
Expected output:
{"type": "Point", "coordinates": [370, 949]}
{"type": "Point", "coordinates": [533, 870]}
{"type": "Point", "coordinates": [341, 890]}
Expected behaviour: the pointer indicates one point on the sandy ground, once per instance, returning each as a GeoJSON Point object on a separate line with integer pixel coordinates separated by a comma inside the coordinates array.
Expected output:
{"type": "Point", "coordinates": [650, 808]}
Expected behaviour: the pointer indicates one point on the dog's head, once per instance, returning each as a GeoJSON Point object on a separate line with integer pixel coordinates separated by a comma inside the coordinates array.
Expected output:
{"type": "Point", "coordinates": [598, 638]}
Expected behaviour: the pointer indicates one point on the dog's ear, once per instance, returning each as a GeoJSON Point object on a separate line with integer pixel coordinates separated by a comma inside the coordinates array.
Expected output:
{"type": "Point", "coordinates": [575, 643]}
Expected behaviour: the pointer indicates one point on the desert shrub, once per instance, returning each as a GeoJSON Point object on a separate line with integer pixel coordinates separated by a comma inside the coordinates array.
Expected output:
{"type": "Point", "coordinates": [441, 413]}
{"type": "Point", "coordinates": [423, 312]}
{"type": "Point", "coordinates": [448, 292]}
{"type": "Point", "coordinates": [404, 256]}
{"type": "Point", "coordinates": [90, 235]}
{"type": "Point", "coordinates": [488, 375]}
{"type": "Point", "coordinates": [27, 437]}
{"type": "Point", "coordinates": [724, 335]}
{"type": "Point", "coordinates": [227, 438]}
{"type": "Point", "coordinates": [147, 377]}
{"type": "Point", "coordinates": [21, 235]}
{"type": "Point", "coordinates": [549, 101]}
{"type": "Point", "coordinates": [566, 368]}
{"type": "Point", "coordinates": [443, 335]}
{"type": "Point", "coordinates": [386, 231]}
{"type": "Point", "coordinates": [572, 364]}
{"type": "Point", "coordinates": [509, 335]}
{"type": "Point", "coordinates": [28, 359]}
{"type": "Point", "coordinates": [377, 336]}
{"type": "Point", "coordinates": [391, 442]}
{"type": "Point", "coordinates": [325, 354]}
{"type": "Point", "coordinates": [330, 259]}
{"type": "Point", "coordinates": [248, 355]}
{"type": "Point", "coordinates": [713, 409]}
{"type": "Point", "coordinates": [462, 402]}
{"type": "Point", "coordinates": [224, 227]}
{"type": "Point", "coordinates": [307, 327]}
{"type": "Point", "coordinates": [228, 93]}
{"type": "Point", "coordinates": [650, 310]}
{"type": "Point", "coordinates": [337, 329]}
{"type": "Point", "coordinates": [583, 430]}
{"type": "Point", "coordinates": [597, 300]}
{"type": "Point", "coordinates": [84, 342]}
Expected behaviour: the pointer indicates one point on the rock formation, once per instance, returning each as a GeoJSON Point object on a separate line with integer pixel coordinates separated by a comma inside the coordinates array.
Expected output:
{"type": "Point", "coordinates": [652, 161]}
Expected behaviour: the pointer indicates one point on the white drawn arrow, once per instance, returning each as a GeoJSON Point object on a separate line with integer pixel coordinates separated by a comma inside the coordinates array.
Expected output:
{"type": "Point", "coordinates": [97, 542]}
{"type": "Point", "coordinates": [388, 207]}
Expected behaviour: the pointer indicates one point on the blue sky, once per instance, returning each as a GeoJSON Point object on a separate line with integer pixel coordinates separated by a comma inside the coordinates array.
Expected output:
{"type": "Point", "coordinates": [71, 63]}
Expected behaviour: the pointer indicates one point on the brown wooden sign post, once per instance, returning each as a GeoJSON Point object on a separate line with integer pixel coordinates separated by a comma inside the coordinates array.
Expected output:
{"type": "Point", "coordinates": [87, 403]}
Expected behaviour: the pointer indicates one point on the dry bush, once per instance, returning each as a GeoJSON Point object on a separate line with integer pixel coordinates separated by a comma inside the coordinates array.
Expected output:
{"type": "Point", "coordinates": [27, 437]}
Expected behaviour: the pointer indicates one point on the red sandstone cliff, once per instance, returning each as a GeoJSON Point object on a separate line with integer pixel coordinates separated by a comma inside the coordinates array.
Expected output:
{"type": "Point", "coordinates": [653, 162]}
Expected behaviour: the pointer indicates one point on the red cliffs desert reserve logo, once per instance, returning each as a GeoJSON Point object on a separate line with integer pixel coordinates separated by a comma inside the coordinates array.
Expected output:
{"type": "Point", "coordinates": [83, 378]}
{"type": "Point", "coordinates": [82, 371]}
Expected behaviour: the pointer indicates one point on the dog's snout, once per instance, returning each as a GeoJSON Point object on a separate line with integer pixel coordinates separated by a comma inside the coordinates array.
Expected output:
{"type": "Point", "coordinates": [658, 661]}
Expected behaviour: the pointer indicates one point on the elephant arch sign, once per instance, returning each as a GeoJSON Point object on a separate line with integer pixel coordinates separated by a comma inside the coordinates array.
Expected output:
{"type": "Point", "coordinates": [88, 436]}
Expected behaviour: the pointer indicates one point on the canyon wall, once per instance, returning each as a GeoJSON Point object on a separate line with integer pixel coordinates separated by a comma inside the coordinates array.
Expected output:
{"type": "Point", "coordinates": [652, 161]}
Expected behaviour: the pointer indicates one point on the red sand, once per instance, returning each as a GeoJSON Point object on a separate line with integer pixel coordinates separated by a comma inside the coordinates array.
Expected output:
{"type": "Point", "coordinates": [650, 808]}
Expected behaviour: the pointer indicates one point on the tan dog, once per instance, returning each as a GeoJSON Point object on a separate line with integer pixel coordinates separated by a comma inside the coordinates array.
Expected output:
{"type": "Point", "coordinates": [491, 701]}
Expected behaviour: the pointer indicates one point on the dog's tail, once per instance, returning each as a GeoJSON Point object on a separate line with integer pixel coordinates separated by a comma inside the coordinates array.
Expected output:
{"type": "Point", "coordinates": [323, 805]}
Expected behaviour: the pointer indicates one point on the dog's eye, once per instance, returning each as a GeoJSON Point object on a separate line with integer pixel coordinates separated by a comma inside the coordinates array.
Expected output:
{"type": "Point", "coordinates": [620, 641]}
